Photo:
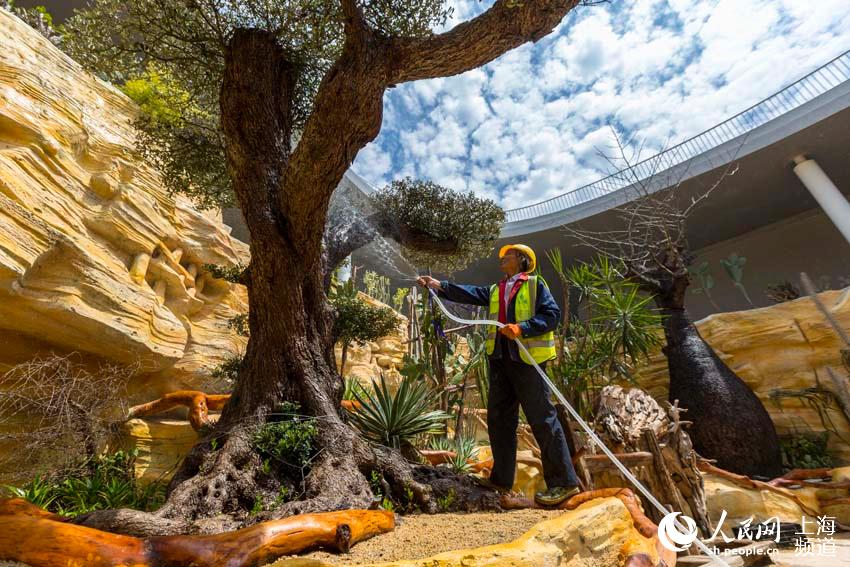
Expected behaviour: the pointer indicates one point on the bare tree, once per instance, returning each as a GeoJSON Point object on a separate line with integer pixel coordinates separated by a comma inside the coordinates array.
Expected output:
{"type": "Point", "coordinates": [730, 424]}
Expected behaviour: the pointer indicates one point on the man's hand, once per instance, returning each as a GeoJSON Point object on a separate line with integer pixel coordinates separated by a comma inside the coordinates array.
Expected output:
{"type": "Point", "coordinates": [430, 282]}
{"type": "Point", "coordinates": [511, 331]}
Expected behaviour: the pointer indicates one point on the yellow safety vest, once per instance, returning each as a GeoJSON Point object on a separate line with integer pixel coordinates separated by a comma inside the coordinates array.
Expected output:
{"type": "Point", "coordinates": [541, 347]}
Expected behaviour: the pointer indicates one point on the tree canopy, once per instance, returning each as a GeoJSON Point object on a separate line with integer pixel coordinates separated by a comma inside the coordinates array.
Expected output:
{"type": "Point", "coordinates": [168, 56]}
{"type": "Point", "coordinates": [424, 211]}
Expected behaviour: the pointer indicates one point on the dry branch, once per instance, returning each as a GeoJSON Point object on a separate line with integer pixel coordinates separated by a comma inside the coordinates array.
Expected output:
{"type": "Point", "coordinates": [198, 404]}
{"type": "Point", "coordinates": [29, 536]}
{"type": "Point", "coordinates": [56, 409]}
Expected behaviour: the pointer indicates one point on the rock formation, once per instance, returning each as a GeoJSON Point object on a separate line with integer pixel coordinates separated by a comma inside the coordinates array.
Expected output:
{"type": "Point", "coordinates": [95, 257]}
{"type": "Point", "coordinates": [599, 532]}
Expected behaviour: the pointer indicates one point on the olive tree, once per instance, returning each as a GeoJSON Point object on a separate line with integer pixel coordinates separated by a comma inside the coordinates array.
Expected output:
{"type": "Point", "coordinates": [271, 100]}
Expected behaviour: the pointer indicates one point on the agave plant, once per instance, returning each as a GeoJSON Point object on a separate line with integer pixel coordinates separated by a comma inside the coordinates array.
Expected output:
{"type": "Point", "coordinates": [352, 387]}
{"type": "Point", "coordinates": [396, 419]}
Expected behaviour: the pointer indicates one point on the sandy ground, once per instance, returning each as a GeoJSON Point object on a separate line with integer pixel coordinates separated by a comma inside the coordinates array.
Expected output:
{"type": "Point", "coordinates": [421, 535]}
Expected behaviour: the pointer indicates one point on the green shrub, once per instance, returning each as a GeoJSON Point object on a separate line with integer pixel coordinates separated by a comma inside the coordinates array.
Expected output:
{"type": "Point", "coordinates": [446, 230]}
{"type": "Point", "coordinates": [99, 483]}
{"type": "Point", "coordinates": [289, 439]}
{"type": "Point", "coordinates": [445, 503]}
{"type": "Point", "coordinates": [229, 369]}
{"type": "Point", "coordinates": [239, 323]}
{"type": "Point", "coordinates": [233, 274]}
{"type": "Point", "coordinates": [396, 419]}
{"type": "Point", "coordinates": [806, 452]}
{"type": "Point", "coordinates": [358, 321]}
{"type": "Point", "coordinates": [464, 448]}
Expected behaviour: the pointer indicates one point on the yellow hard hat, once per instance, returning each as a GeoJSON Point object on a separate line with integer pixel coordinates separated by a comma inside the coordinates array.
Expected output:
{"type": "Point", "coordinates": [522, 248]}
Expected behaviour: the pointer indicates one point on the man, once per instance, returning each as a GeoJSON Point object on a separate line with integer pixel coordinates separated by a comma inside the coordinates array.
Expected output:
{"type": "Point", "coordinates": [523, 302]}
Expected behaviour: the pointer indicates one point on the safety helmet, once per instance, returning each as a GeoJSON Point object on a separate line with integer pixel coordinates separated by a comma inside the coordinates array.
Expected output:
{"type": "Point", "coordinates": [521, 248]}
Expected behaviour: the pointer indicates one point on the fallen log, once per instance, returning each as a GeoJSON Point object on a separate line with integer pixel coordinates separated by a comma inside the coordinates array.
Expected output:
{"type": "Point", "coordinates": [38, 538]}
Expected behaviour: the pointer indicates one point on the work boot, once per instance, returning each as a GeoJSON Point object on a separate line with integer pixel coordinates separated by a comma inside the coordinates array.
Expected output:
{"type": "Point", "coordinates": [556, 495]}
{"type": "Point", "coordinates": [489, 485]}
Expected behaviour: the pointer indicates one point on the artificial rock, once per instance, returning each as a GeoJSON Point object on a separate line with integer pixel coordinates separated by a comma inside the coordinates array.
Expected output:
{"type": "Point", "coordinates": [96, 258]}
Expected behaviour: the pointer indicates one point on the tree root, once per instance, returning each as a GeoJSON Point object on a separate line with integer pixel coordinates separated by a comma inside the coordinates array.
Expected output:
{"type": "Point", "coordinates": [220, 482]}
{"type": "Point", "coordinates": [38, 538]}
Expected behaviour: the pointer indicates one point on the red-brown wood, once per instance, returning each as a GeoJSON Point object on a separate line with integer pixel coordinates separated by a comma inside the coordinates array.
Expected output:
{"type": "Point", "coordinates": [38, 538]}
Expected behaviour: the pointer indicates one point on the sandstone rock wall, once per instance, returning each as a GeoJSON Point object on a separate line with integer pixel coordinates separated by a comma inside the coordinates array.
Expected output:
{"type": "Point", "coordinates": [779, 349]}
{"type": "Point", "coordinates": [95, 257]}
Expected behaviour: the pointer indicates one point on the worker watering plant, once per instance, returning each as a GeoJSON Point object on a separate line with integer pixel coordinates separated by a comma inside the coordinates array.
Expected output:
{"type": "Point", "coordinates": [524, 304]}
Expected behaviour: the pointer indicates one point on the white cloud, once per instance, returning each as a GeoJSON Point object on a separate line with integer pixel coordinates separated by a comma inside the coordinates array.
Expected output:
{"type": "Point", "coordinates": [530, 125]}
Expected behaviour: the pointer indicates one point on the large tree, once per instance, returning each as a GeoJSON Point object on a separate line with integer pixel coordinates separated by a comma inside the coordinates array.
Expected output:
{"type": "Point", "coordinates": [272, 100]}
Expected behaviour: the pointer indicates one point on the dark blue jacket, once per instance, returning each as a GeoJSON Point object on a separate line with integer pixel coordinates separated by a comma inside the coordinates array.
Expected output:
{"type": "Point", "coordinates": [547, 314]}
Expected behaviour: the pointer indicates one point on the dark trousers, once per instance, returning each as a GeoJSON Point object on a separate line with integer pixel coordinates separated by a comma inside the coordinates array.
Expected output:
{"type": "Point", "coordinates": [511, 384]}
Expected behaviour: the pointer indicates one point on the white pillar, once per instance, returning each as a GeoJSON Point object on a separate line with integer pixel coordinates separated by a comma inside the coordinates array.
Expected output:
{"type": "Point", "coordinates": [830, 199]}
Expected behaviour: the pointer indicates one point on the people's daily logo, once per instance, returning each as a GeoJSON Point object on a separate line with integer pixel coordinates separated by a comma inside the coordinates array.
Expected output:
{"type": "Point", "coordinates": [669, 533]}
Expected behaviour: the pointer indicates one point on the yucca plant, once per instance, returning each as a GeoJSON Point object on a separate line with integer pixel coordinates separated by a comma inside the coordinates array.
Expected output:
{"type": "Point", "coordinates": [395, 419]}
{"type": "Point", "coordinates": [465, 450]}
{"type": "Point", "coordinates": [352, 387]}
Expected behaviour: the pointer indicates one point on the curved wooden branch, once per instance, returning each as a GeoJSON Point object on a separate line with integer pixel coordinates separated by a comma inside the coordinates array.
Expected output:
{"type": "Point", "coordinates": [747, 482]}
{"type": "Point", "coordinates": [801, 474]}
{"type": "Point", "coordinates": [29, 536]}
{"type": "Point", "coordinates": [804, 474]}
{"type": "Point", "coordinates": [197, 402]}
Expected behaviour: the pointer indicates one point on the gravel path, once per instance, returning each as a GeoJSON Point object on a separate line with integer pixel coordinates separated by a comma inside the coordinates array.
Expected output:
{"type": "Point", "coordinates": [421, 535]}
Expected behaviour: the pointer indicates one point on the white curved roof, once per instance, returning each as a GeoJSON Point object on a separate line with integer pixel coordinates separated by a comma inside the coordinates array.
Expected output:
{"type": "Point", "coordinates": [799, 105]}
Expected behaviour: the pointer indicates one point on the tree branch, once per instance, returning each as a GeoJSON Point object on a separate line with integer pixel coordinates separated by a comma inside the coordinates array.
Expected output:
{"type": "Point", "coordinates": [355, 23]}
{"type": "Point", "coordinates": [348, 108]}
{"type": "Point", "coordinates": [506, 25]}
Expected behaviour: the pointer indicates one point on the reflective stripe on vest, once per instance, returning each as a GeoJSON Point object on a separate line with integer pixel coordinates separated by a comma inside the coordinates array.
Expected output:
{"type": "Point", "coordinates": [541, 347]}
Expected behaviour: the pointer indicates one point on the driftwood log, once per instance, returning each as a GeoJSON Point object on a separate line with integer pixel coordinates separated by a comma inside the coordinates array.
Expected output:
{"type": "Point", "coordinates": [653, 443]}
{"type": "Point", "coordinates": [38, 538]}
{"type": "Point", "coordinates": [199, 405]}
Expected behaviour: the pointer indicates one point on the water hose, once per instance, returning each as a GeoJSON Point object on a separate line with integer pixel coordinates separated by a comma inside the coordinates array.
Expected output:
{"type": "Point", "coordinates": [587, 429]}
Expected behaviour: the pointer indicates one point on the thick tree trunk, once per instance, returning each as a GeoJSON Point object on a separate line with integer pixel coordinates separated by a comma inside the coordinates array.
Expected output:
{"type": "Point", "coordinates": [730, 423]}
{"type": "Point", "coordinates": [290, 352]}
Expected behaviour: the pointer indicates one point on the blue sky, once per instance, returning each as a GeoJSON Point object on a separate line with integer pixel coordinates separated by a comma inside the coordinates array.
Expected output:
{"type": "Point", "coordinates": [532, 124]}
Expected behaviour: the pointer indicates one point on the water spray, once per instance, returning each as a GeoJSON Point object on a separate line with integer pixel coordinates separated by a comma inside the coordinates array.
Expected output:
{"type": "Point", "coordinates": [587, 429]}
